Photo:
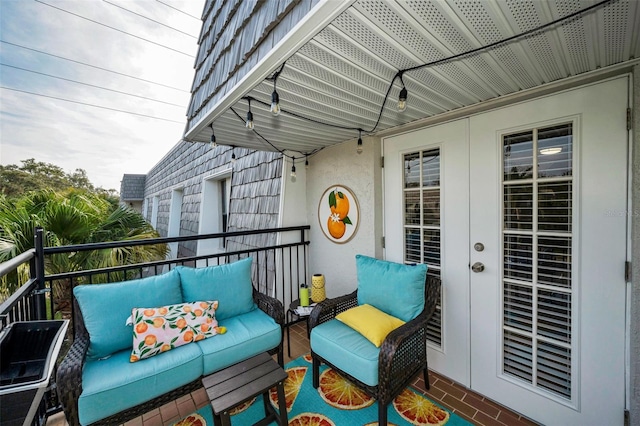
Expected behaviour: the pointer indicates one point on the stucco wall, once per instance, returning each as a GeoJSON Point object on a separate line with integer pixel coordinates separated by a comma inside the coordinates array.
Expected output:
{"type": "Point", "coordinates": [362, 173]}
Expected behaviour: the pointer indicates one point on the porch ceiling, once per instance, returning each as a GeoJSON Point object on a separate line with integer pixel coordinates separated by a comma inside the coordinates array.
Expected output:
{"type": "Point", "coordinates": [342, 74]}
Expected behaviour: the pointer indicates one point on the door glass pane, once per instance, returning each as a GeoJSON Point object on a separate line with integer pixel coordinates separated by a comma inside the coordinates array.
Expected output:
{"type": "Point", "coordinates": [412, 170]}
{"type": "Point", "coordinates": [431, 168]}
{"type": "Point", "coordinates": [537, 287]}
{"type": "Point", "coordinates": [412, 208]}
{"type": "Point", "coordinates": [518, 156]}
{"type": "Point", "coordinates": [431, 207]}
{"type": "Point", "coordinates": [518, 255]}
{"type": "Point", "coordinates": [518, 206]}
{"type": "Point", "coordinates": [555, 151]}
{"type": "Point", "coordinates": [422, 239]}
{"type": "Point", "coordinates": [554, 206]}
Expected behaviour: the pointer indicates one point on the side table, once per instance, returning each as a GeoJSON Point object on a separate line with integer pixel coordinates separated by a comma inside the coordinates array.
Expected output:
{"type": "Point", "coordinates": [291, 312]}
{"type": "Point", "coordinates": [240, 382]}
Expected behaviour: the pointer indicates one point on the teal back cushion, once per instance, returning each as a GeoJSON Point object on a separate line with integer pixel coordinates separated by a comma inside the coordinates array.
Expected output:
{"type": "Point", "coordinates": [229, 284]}
{"type": "Point", "coordinates": [106, 307]}
{"type": "Point", "coordinates": [393, 288]}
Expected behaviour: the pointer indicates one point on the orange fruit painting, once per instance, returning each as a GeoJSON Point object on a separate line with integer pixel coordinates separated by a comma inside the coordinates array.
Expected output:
{"type": "Point", "coordinates": [418, 410]}
{"type": "Point", "coordinates": [336, 227]}
{"type": "Point", "coordinates": [341, 393]}
{"type": "Point", "coordinates": [339, 218]}
{"type": "Point", "coordinates": [339, 204]}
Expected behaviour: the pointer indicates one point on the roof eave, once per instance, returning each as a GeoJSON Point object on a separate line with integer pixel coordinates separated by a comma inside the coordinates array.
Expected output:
{"type": "Point", "coordinates": [317, 19]}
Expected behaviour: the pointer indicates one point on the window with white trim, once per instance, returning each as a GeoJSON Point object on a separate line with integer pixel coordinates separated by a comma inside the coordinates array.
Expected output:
{"type": "Point", "coordinates": [422, 232]}
{"type": "Point", "coordinates": [537, 247]}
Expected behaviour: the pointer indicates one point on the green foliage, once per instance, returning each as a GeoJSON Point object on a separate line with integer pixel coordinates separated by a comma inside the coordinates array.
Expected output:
{"type": "Point", "coordinates": [73, 217]}
{"type": "Point", "coordinates": [16, 181]}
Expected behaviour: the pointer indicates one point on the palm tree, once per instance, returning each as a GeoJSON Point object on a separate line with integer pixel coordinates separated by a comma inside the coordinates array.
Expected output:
{"type": "Point", "coordinates": [69, 218]}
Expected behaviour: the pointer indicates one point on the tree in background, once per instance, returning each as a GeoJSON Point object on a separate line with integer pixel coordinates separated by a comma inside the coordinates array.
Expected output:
{"type": "Point", "coordinates": [33, 175]}
{"type": "Point", "coordinates": [74, 217]}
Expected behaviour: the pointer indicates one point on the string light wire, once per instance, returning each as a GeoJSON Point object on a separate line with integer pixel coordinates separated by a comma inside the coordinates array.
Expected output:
{"type": "Point", "coordinates": [400, 73]}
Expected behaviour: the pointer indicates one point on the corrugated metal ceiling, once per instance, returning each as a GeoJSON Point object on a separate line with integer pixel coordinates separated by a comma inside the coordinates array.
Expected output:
{"type": "Point", "coordinates": [341, 76]}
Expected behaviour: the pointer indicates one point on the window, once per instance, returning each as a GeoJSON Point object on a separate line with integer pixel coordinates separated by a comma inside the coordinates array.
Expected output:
{"type": "Point", "coordinates": [214, 211]}
{"type": "Point", "coordinates": [537, 247]}
{"type": "Point", "coordinates": [421, 198]}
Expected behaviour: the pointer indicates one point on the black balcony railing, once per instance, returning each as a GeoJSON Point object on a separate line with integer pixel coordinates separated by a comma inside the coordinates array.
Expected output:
{"type": "Point", "coordinates": [280, 264]}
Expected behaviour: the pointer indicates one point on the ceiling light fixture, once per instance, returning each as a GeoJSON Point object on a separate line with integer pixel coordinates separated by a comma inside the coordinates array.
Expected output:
{"type": "Point", "coordinates": [249, 122]}
{"type": "Point", "coordinates": [359, 149]}
{"type": "Point", "coordinates": [551, 151]}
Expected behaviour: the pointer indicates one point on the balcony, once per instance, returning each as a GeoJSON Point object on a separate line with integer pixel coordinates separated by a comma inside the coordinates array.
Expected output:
{"type": "Point", "coordinates": [280, 265]}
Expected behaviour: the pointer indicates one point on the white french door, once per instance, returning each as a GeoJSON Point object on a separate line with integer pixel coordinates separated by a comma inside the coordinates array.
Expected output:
{"type": "Point", "coordinates": [531, 241]}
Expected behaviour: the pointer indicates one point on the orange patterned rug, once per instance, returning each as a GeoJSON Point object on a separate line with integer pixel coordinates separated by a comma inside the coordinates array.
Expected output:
{"type": "Point", "coordinates": [336, 402]}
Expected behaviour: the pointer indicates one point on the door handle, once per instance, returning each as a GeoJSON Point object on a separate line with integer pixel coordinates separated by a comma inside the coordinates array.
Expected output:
{"type": "Point", "coordinates": [477, 267]}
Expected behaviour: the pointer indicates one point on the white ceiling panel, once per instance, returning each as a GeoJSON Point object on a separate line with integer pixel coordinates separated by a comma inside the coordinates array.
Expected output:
{"type": "Point", "coordinates": [342, 76]}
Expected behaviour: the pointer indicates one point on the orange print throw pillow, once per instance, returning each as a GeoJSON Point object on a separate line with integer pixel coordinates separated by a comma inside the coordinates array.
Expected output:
{"type": "Point", "coordinates": [157, 330]}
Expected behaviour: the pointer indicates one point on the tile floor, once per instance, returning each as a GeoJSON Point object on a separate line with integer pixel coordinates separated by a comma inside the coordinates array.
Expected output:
{"type": "Point", "coordinates": [467, 404]}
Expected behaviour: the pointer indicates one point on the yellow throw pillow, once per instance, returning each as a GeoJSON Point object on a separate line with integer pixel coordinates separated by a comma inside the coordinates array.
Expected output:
{"type": "Point", "coordinates": [371, 322]}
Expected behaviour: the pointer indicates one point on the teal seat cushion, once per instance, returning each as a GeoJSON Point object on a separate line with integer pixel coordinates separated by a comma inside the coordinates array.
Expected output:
{"type": "Point", "coordinates": [106, 307]}
{"type": "Point", "coordinates": [347, 349]}
{"type": "Point", "coordinates": [229, 284]}
{"type": "Point", "coordinates": [394, 288]}
{"type": "Point", "coordinates": [247, 335]}
{"type": "Point", "coordinates": [114, 384]}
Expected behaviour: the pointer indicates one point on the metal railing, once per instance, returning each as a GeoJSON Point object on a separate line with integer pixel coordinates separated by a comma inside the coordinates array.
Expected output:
{"type": "Point", "coordinates": [280, 265]}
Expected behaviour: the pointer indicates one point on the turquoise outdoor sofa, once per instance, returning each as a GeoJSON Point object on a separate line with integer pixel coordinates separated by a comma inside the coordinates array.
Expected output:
{"type": "Point", "coordinates": [101, 380]}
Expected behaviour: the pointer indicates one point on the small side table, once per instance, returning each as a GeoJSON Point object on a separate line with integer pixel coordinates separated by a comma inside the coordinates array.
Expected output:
{"type": "Point", "coordinates": [240, 382]}
{"type": "Point", "coordinates": [291, 312]}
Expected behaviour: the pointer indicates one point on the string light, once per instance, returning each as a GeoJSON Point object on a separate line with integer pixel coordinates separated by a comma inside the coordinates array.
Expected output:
{"type": "Point", "coordinates": [233, 154]}
{"type": "Point", "coordinates": [402, 99]}
{"type": "Point", "coordinates": [402, 96]}
{"type": "Point", "coordinates": [306, 162]}
{"type": "Point", "coordinates": [249, 123]}
{"type": "Point", "coordinates": [293, 168]}
{"type": "Point", "coordinates": [213, 143]}
{"type": "Point", "coordinates": [275, 101]}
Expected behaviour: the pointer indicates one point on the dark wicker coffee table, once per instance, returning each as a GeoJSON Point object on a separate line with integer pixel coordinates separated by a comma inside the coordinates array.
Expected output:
{"type": "Point", "coordinates": [240, 382]}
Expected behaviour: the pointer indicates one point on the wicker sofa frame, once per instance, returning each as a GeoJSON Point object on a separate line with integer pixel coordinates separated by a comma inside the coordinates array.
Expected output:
{"type": "Point", "coordinates": [403, 354]}
{"type": "Point", "coordinates": [69, 375]}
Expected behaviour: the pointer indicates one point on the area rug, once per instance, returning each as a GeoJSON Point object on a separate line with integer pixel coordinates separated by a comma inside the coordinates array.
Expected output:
{"type": "Point", "coordinates": [336, 402]}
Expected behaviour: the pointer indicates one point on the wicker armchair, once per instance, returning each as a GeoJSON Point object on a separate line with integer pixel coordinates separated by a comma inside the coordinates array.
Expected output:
{"type": "Point", "coordinates": [69, 375]}
{"type": "Point", "coordinates": [403, 354]}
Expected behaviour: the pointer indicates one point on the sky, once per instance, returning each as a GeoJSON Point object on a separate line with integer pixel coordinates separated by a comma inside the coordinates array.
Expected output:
{"type": "Point", "coordinates": [118, 101]}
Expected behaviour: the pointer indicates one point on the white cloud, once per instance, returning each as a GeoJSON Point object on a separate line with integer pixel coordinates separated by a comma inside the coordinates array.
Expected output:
{"type": "Point", "coordinates": [104, 142]}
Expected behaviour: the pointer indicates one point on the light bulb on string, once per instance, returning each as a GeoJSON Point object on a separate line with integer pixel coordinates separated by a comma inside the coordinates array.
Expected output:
{"type": "Point", "coordinates": [249, 122]}
{"type": "Point", "coordinates": [402, 98]}
{"type": "Point", "coordinates": [359, 148]}
{"type": "Point", "coordinates": [293, 168]}
{"type": "Point", "coordinates": [275, 101]}
{"type": "Point", "coordinates": [213, 143]}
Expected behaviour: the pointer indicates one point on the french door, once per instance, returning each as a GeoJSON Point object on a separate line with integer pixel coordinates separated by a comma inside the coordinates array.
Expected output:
{"type": "Point", "coordinates": [521, 211]}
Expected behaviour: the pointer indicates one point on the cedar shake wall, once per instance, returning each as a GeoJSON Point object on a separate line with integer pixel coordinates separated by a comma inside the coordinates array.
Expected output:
{"type": "Point", "coordinates": [235, 36]}
{"type": "Point", "coordinates": [254, 197]}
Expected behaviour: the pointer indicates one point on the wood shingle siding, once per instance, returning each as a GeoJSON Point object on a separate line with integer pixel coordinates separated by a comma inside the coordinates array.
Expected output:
{"type": "Point", "coordinates": [235, 36]}
{"type": "Point", "coordinates": [254, 197]}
